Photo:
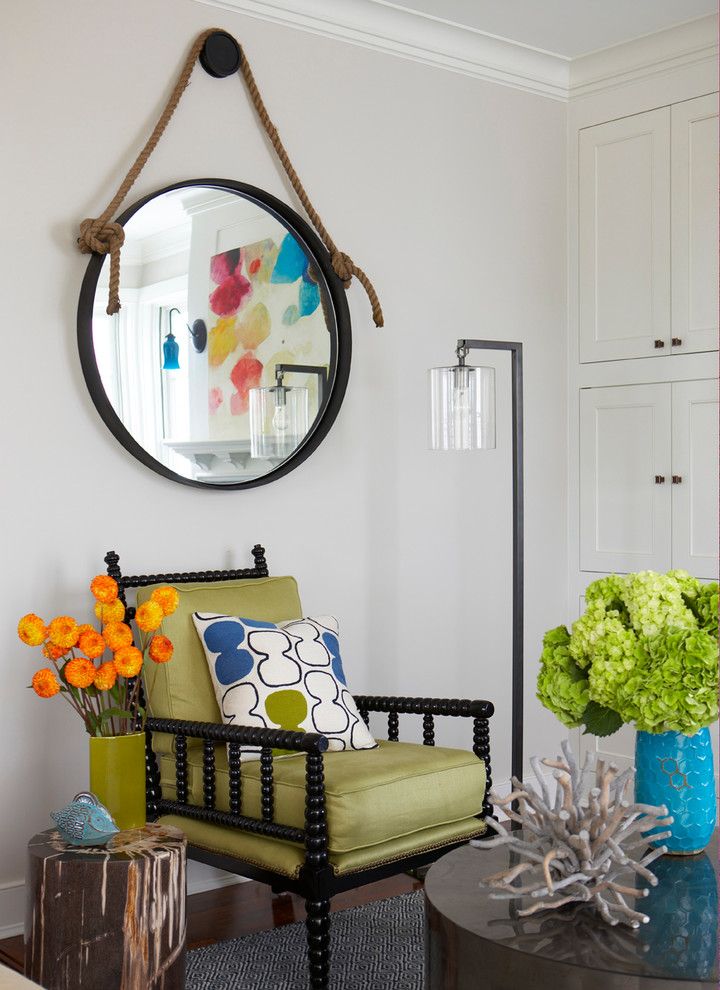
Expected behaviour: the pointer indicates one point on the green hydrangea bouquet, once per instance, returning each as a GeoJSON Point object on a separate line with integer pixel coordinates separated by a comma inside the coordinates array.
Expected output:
{"type": "Point", "coordinates": [644, 652]}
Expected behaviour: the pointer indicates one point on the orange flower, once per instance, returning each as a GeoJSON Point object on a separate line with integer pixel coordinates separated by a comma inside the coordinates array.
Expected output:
{"type": "Point", "coordinates": [106, 676]}
{"type": "Point", "coordinates": [117, 635]}
{"type": "Point", "coordinates": [104, 588]}
{"type": "Point", "coordinates": [161, 649]}
{"type": "Point", "coordinates": [114, 612]}
{"type": "Point", "coordinates": [45, 683]}
{"type": "Point", "coordinates": [63, 631]}
{"type": "Point", "coordinates": [79, 672]}
{"type": "Point", "coordinates": [53, 652]}
{"type": "Point", "coordinates": [85, 627]}
{"type": "Point", "coordinates": [31, 629]}
{"type": "Point", "coordinates": [149, 616]}
{"type": "Point", "coordinates": [128, 661]}
{"type": "Point", "coordinates": [167, 598]}
{"type": "Point", "coordinates": [92, 644]}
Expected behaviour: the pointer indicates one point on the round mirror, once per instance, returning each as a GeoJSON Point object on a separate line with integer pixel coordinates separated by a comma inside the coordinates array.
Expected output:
{"type": "Point", "coordinates": [229, 358]}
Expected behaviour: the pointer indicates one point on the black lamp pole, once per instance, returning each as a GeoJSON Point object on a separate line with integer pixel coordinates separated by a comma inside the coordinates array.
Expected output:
{"type": "Point", "coordinates": [515, 350]}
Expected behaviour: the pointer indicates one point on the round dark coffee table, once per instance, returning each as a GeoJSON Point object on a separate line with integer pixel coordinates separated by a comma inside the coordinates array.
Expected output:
{"type": "Point", "coordinates": [472, 941]}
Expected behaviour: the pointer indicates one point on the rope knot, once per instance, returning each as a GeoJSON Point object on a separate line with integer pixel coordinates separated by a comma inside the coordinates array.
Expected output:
{"type": "Point", "coordinates": [100, 238]}
{"type": "Point", "coordinates": [343, 266]}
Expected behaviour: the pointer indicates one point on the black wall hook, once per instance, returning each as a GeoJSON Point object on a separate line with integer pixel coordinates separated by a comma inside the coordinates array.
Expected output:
{"type": "Point", "coordinates": [220, 55]}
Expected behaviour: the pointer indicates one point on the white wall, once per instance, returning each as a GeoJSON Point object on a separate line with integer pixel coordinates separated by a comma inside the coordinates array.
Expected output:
{"type": "Point", "coordinates": [450, 192]}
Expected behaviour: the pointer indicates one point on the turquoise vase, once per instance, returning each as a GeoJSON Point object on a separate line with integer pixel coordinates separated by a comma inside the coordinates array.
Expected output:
{"type": "Point", "coordinates": [677, 771]}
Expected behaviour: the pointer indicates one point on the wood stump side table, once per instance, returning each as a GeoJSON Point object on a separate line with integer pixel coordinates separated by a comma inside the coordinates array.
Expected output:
{"type": "Point", "coordinates": [108, 918]}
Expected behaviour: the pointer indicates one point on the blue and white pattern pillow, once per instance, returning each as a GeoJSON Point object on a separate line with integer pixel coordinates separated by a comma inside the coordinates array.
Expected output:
{"type": "Point", "coordinates": [284, 676]}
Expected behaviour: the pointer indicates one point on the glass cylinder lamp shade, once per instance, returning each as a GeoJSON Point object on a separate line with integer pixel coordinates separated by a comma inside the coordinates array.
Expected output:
{"type": "Point", "coordinates": [279, 420]}
{"type": "Point", "coordinates": [462, 408]}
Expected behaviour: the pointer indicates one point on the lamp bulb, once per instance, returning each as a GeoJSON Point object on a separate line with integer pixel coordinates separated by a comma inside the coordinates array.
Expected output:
{"type": "Point", "coordinates": [280, 419]}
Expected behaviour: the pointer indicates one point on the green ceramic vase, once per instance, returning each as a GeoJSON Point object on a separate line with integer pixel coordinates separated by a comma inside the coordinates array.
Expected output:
{"type": "Point", "coordinates": [117, 777]}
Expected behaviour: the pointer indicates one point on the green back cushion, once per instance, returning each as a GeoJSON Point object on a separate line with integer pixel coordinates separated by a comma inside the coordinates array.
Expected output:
{"type": "Point", "coordinates": [182, 688]}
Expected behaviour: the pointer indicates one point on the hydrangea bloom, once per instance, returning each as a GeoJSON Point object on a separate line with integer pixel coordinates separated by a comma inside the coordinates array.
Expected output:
{"type": "Point", "coordinates": [592, 628]}
{"type": "Point", "coordinates": [675, 689]}
{"type": "Point", "coordinates": [562, 686]}
{"type": "Point", "coordinates": [616, 659]}
{"type": "Point", "coordinates": [646, 648]}
{"type": "Point", "coordinates": [705, 608]}
{"type": "Point", "coordinates": [655, 601]}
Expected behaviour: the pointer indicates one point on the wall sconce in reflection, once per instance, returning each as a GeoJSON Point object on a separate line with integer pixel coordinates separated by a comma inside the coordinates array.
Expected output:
{"type": "Point", "coordinates": [171, 349]}
{"type": "Point", "coordinates": [280, 413]}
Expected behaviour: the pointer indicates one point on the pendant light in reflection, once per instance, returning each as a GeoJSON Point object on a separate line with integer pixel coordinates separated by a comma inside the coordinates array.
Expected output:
{"type": "Point", "coordinates": [280, 413]}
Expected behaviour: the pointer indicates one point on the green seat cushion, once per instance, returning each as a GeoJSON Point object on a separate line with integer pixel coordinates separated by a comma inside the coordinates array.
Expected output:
{"type": "Point", "coordinates": [182, 688]}
{"type": "Point", "coordinates": [287, 858]}
{"type": "Point", "coordinates": [372, 796]}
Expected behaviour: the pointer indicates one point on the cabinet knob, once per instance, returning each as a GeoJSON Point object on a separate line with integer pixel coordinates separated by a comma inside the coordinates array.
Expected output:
{"type": "Point", "coordinates": [677, 479]}
{"type": "Point", "coordinates": [676, 341]}
{"type": "Point", "coordinates": [659, 479]}
{"type": "Point", "coordinates": [659, 343]}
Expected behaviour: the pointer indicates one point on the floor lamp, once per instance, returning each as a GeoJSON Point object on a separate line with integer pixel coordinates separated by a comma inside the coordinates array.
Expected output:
{"type": "Point", "coordinates": [462, 417]}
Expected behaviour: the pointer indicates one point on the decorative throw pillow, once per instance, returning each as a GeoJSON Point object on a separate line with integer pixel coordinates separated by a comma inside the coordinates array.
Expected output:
{"type": "Point", "coordinates": [284, 676]}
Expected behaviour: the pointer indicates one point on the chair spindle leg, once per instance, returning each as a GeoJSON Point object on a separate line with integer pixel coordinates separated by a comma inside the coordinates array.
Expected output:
{"type": "Point", "coordinates": [428, 730]}
{"type": "Point", "coordinates": [266, 783]}
{"type": "Point", "coordinates": [235, 786]}
{"type": "Point", "coordinates": [153, 791]}
{"type": "Point", "coordinates": [481, 749]}
{"type": "Point", "coordinates": [209, 773]}
{"type": "Point", "coordinates": [393, 727]}
{"type": "Point", "coordinates": [318, 940]}
{"type": "Point", "coordinates": [181, 770]}
{"type": "Point", "coordinates": [318, 909]}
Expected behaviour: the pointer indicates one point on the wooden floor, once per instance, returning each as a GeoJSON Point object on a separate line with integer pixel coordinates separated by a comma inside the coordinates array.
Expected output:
{"type": "Point", "coordinates": [243, 908]}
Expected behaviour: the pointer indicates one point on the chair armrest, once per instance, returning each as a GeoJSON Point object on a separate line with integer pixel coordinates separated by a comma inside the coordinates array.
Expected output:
{"type": "Point", "coordinates": [479, 711]}
{"type": "Point", "coordinates": [314, 835]}
{"type": "Point", "coordinates": [425, 706]}
{"type": "Point", "coordinates": [301, 742]}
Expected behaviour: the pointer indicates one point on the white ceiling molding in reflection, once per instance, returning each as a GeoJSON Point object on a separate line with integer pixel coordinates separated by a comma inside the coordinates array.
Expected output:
{"type": "Point", "coordinates": [385, 27]}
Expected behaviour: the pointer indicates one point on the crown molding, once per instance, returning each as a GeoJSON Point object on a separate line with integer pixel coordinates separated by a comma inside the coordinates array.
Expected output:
{"type": "Point", "coordinates": [684, 45]}
{"type": "Point", "coordinates": [383, 26]}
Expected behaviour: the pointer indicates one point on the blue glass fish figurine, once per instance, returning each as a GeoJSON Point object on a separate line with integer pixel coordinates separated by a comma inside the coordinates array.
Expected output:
{"type": "Point", "coordinates": [85, 822]}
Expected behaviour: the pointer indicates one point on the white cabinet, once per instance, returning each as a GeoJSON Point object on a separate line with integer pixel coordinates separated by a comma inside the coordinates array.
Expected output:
{"type": "Point", "coordinates": [695, 225]}
{"type": "Point", "coordinates": [624, 237]}
{"type": "Point", "coordinates": [695, 473]}
{"type": "Point", "coordinates": [648, 478]}
{"type": "Point", "coordinates": [624, 444]}
{"type": "Point", "coordinates": [648, 221]}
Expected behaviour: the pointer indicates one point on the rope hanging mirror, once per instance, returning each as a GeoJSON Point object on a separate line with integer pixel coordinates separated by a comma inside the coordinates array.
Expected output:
{"type": "Point", "coordinates": [256, 285]}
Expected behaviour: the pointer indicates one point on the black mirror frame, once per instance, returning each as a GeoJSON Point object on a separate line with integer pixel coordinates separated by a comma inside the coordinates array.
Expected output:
{"type": "Point", "coordinates": [340, 337]}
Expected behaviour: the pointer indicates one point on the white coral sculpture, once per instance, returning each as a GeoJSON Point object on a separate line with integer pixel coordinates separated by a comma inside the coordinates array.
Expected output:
{"type": "Point", "coordinates": [577, 846]}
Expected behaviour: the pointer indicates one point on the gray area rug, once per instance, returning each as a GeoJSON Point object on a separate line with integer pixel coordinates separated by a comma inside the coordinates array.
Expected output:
{"type": "Point", "coordinates": [374, 947]}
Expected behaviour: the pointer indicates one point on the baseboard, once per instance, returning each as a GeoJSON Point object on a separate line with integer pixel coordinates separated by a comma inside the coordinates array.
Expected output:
{"type": "Point", "coordinates": [202, 884]}
{"type": "Point", "coordinates": [12, 908]}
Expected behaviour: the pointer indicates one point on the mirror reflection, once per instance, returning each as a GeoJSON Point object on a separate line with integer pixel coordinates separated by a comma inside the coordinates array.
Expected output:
{"type": "Point", "coordinates": [220, 361]}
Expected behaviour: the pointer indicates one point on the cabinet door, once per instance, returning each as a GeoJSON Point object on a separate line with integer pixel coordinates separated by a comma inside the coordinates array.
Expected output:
{"type": "Point", "coordinates": [624, 444]}
{"type": "Point", "coordinates": [624, 237]}
{"type": "Point", "coordinates": [694, 463]}
{"type": "Point", "coordinates": [695, 225]}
